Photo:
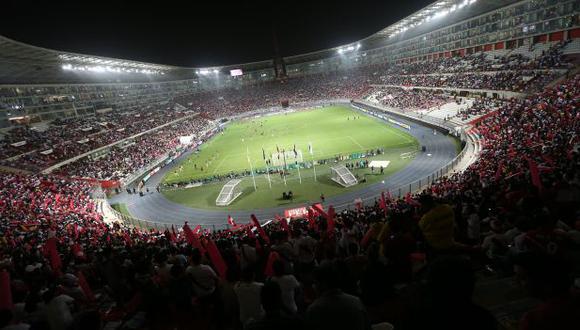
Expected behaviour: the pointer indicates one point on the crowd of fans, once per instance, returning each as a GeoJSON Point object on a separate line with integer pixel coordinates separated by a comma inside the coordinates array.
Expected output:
{"type": "Point", "coordinates": [40, 148]}
{"type": "Point", "coordinates": [65, 139]}
{"type": "Point", "coordinates": [479, 107]}
{"type": "Point", "coordinates": [409, 99]}
{"type": "Point", "coordinates": [408, 261]}
{"type": "Point", "coordinates": [231, 102]}
{"type": "Point", "coordinates": [121, 161]}
{"type": "Point", "coordinates": [517, 81]}
{"type": "Point", "coordinates": [481, 62]}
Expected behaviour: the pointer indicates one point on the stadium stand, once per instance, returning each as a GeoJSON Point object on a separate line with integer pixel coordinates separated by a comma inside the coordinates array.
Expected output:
{"type": "Point", "coordinates": [520, 206]}
{"type": "Point", "coordinates": [495, 246]}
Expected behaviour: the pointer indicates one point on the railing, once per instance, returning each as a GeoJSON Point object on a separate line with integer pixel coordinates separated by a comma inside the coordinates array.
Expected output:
{"type": "Point", "coordinates": [143, 170]}
{"type": "Point", "coordinates": [434, 121]}
{"type": "Point", "coordinates": [419, 184]}
{"type": "Point", "coordinates": [400, 191]}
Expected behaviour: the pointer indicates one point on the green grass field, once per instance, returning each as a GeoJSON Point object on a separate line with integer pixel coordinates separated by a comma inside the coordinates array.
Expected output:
{"type": "Point", "coordinates": [331, 131]}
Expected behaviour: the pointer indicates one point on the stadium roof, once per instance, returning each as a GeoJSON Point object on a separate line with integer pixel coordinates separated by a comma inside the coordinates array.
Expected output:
{"type": "Point", "coordinates": [23, 63]}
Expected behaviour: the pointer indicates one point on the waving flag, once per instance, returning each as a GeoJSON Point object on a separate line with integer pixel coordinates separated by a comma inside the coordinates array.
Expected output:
{"type": "Point", "coordinates": [535, 173]}
{"type": "Point", "coordinates": [269, 269]}
{"type": "Point", "coordinates": [311, 219]}
{"type": "Point", "coordinates": [197, 229]}
{"type": "Point", "coordinates": [191, 237]}
{"type": "Point", "coordinates": [383, 203]}
{"type": "Point", "coordinates": [85, 287]}
{"type": "Point", "coordinates": [54, 257]}
{"type": "Point", "coordinates": [330, 219]}
{"type": "Point", "coordinates": [216, 258]}
{"type": "Point", "coordinates": [260, 229]}
{"type": "Point", "coordinates": [231, 221]}
{"type": "Point", "coordinates": [284, 224]}
{"type": "Point", "coordinates": [328, 216]}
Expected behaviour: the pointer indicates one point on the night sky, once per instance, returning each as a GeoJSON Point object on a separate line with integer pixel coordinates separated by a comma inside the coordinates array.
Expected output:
{"type": "Point", "coordinates": [196, 33]}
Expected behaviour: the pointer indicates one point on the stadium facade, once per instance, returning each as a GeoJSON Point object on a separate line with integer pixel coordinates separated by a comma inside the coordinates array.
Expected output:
{"type": "Point", "coordinates": [40, 84]}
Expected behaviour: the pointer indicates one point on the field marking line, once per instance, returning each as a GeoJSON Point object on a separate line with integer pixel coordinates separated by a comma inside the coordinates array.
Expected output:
{"type": "Point", "coordinates": [396, 131]}
{"type": "Point", "coordinates": [220, 164]}
{"type": "Point", "coordinates": [355, 141]}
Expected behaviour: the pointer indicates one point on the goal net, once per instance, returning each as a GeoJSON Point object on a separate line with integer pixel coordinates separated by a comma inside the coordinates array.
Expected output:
{"type": "Point", "coordinates": [230, 191]}
{"type": "Point", "coordinates": [341, 175]}
{"type": "Point", "coordinates": [291, 157]}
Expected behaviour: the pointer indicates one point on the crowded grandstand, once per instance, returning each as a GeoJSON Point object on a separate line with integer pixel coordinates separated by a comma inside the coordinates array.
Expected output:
{"type": "Point", "coordinates": [487, 237]}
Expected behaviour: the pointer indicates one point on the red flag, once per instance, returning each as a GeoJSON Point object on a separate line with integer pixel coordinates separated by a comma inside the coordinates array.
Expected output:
{"type": "Point", "coordinates": [269, 270]}
{"type": "Point", "coordinates": [284, 224]}
{"type": "Point", "coordinates": [311, 220]}
{"type": "Point", "coordinates": [191, 237]}
{"type": "Point", "coordinates": [383, 203]}
{"type": "Point", "coordinates": [260, 229]}
{"type": "Point", "coordinates": [53, 256]}
{"type": "Point", "coordinates": [168, 235]}
{"type": "Point", "coordinates": [328, 216]}
{"type": "Point", "coordinates": [330, 219]}
{"type": "Point", "coordinates": [231, 221]}
{"type": "Point", "coordinates": [535, 173]}
{"type": "Point", "coordinates": [216, 258]}
{"type": "Point", "coordinates": [409, 200]}
{"type": "Point", "coordinates": [174, 234]}
{"type": "Point", "coordinates": [250, 232]}
{"type": "Point", "coordinates": [5, 291]}
{"type": "Point", "coordinates": [367, 237]}
{"type": "Point", "coordinates": [197, 229]}
{"type": "Point", "coordinates": [85, 286]}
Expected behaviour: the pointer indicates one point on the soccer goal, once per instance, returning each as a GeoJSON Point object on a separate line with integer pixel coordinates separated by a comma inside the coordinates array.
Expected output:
{"type": "Point", "coordinates": [341, 175]}
{"type": "Point", "coordinates": [230, 191]}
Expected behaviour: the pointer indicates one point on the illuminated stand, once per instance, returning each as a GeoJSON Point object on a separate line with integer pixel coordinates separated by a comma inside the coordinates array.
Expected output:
{"type": "Point", "coordinates": [230, 191]}
{"type": "Point", "coordinates": [341, 175]}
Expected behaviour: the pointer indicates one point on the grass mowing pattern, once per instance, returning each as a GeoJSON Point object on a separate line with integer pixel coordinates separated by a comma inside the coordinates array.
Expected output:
{"type": "Point", "coordinates": [331, 130]}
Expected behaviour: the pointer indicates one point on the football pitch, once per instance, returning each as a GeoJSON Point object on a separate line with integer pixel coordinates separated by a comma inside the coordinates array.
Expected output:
{"type": "Point", "coordinates": [302, 136]}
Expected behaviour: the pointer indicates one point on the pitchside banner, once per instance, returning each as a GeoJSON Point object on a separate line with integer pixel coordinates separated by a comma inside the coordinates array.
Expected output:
{"type": "Point", "coordinates": [299, 212]}
{"type": "Point", "coordinates": [403, 125]}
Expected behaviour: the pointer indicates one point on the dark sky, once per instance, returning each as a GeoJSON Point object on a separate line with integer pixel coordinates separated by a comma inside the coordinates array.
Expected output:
{"type": "Point", "coordinates": [197, 33]}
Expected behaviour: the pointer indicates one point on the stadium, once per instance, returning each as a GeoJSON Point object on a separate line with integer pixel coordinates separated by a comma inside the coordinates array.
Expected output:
{"type": "Point", "coordinates": [423, 170]}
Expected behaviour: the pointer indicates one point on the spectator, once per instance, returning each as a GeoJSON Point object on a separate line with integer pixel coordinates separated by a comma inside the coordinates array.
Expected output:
{"type": "Point", "coordinates": [248, 292]}
{"type": "Point", "coordinates": [334, 309]}
{"type": "Point", "coordinates": [274, 318]}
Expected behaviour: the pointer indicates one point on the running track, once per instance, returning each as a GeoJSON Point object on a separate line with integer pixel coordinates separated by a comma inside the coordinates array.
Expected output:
{"type": "Point", "coordinates": [155, 207]}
